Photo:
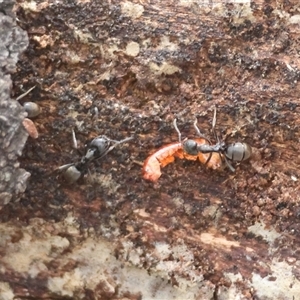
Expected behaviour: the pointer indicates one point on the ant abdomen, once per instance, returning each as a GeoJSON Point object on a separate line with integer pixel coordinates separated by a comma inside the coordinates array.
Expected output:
{"type": "Point", "coordinates": [238, 151]}
{"type": "Point", "coordinates": [72, 174]}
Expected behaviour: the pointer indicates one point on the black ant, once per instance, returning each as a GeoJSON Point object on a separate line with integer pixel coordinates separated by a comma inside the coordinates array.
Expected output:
{"type": "Point", "coordinates": [235, 152]}
{"type": "Point", "coordinates": [98, 148]}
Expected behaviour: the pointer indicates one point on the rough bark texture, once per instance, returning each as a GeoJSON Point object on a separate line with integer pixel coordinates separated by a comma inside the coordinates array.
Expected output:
{"type": "Point", "coordinates": [13, 136]}
{"type": "Point", "coordinates": [196, 233]}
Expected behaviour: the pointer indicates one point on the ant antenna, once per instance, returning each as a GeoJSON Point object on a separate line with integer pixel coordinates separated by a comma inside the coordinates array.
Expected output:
{"type": "Point", "coordinates": [121, 142]}
{"type": "Point", "coordinates": [114, 145]}
{"type": "Point", "coordinates": [198, 131]}
{"type": "Point", "coordinates": [176, 128]}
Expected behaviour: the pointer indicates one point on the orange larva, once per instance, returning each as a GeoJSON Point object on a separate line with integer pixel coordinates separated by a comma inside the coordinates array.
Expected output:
{"type": "Point", "coordinates": [166, 155]}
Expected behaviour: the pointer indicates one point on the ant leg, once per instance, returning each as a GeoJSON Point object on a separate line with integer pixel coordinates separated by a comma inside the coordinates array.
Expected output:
{"type": "Point", "coordinates": [95, 115]}
{"type": "Point", "coordinates": [90, 177]}
{"type": "Point", "coordinates": [198, 131]}
{"type": "Point", "coordinates": [214, 128]}
{"type": "Point", "coordinates": [202, 136]}
{"type": "Point", "coordinates": [214, 121]}
{"type": "Point", "coordinates": [234, 131]}
{"type": "Point", "coordinates": [232, 169]}
{"type": "Point", "coordinates": [208, 160]}
{"type": "Point", "coordinates": [176, 128]}
{"type": "Point", "coordinates": [65, 167]}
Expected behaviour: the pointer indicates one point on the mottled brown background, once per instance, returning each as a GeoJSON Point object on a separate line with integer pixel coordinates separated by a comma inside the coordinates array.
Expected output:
{"type": "Point", "coordinates": [196, 233]}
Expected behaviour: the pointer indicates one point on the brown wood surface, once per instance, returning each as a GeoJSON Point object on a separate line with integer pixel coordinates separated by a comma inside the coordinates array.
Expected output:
{"type": "Point", "coordinates": [196, 233]}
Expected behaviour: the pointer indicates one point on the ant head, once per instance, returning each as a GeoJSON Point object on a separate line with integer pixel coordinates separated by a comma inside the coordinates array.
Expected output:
{"type": "Point", "coordinates": [190, 147]}
{"type": "Point", "coordinates": [100, 144]}
{"type": "Point", "coordinates": [97, 148]}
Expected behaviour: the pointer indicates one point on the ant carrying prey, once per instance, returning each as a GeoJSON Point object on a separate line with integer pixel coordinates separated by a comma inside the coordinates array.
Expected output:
{"type": "Point", "coordinates": [167, 154]}
{"type": "Point", "coordinates": [235, 152]}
